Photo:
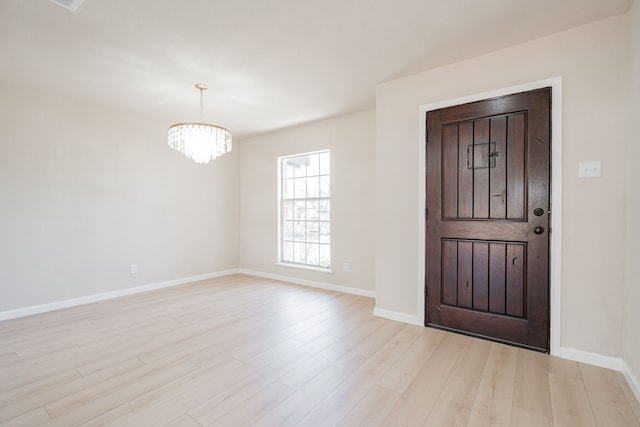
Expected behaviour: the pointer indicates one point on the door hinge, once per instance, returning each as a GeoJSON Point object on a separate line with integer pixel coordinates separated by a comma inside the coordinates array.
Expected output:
{"type": "Point", "coordinates": [426, 213]}
{"type": "Point", "coordinates": [426, 136]}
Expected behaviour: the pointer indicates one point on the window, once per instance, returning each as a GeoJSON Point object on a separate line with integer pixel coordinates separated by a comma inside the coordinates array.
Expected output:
{"type": "Point", "coordinates": [304, 223]}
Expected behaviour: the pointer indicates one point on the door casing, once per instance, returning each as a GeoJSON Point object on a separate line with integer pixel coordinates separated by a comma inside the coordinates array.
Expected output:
{"type": "Point", "coordinates": [555, 263]}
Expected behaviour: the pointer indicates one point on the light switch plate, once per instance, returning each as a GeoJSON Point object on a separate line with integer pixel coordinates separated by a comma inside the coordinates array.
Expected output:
{"type": "Point", "coordinates": [589, 169]}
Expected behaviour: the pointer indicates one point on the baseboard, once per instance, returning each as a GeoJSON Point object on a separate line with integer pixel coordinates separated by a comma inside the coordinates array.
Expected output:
{"type": "Point", "coordinates": [310, 283]}
{"type": "Point", "coordinates": [608, 362]}
{"type": "Point", "coordinates": [394, 315]}
{"type": "Point", "coordinates": [633, 382]}
{"type": "Point", "coordinates": [27, 311]}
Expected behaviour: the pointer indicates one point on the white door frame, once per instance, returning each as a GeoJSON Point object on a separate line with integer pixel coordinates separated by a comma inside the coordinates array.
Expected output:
{"type": "Point", "coordinates": [555, 228]}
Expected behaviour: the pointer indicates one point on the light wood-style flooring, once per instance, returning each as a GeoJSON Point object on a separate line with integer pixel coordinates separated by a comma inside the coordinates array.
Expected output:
{"type": "Point", "coordinates": [242, 350]}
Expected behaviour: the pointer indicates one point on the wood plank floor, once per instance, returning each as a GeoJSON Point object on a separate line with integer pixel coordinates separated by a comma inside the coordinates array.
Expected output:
{"type": "Point", "coordinates": [242, 350]}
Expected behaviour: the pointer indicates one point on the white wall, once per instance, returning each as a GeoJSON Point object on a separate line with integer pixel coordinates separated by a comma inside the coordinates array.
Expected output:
{"type": "Point", "coordinates": [351, 140]}
{"type": "Point", "coordinates": [86, 190]}
{"type": "Point", "coordinates": [593, 61]}
{"type": "Point", "coordinates": [632, 277]}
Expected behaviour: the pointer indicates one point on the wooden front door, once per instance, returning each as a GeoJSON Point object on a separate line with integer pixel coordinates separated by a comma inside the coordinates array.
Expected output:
{"type": "Point", "coordinates": [488, 207]}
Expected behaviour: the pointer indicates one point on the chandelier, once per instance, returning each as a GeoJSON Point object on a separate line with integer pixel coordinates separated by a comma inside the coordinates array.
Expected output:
{"type": "Point", "coordinates": [200, 142]}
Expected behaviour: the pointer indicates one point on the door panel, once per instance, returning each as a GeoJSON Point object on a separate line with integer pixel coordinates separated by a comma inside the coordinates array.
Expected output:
{"type": "Point", "coordinates": [487, 171]}
{"type": "Point", "coordinates": [476, 274]}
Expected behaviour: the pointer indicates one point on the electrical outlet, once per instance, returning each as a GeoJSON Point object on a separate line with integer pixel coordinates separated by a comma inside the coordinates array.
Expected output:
{"type": "Point", "coordinates": [345, 267]}
{"type": "Point", "coordinates": [589, 169]}
{"type": "Point", "coordinates": [133, 269]}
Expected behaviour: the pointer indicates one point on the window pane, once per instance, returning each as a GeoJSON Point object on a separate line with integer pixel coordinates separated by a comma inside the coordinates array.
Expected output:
{"type": "Point", "coordinates": [323, 210]}
{"type": "Point", "coordinates": [312, 232]}
{"type": "Point", "coordinates": [325, 256]}
{"type": "Point", "coordinates": [287, 251]}
{"type": "Point", "coordinates": [287, 170]}
{"type": "Point", "coordinates": [287, 189]}
{"type": "Point", "coordinates": [300, 188]}
{"type": "Point", "coordinates": [287, 210]}
{"type": "Point", "coordinates": [325, 164]}
{"type": "Point", "coordinates": [299, 231]}
{"type": "Point", "coordinates": [287, 230]}
{"type": "Point", "coordinates": [300, 210]}
{"type": "Point", "coordinates": [299, 254]}
{"type": "Point", "coordinates": [299, 166]}
{"type": "Point", "coordinates": [325, 183]}
{"type": "Point", "coordinates": [313, 254]}
{"type": "Point", "coordinates": [312, 210]}
{"type": "Point", "coordinates": [313, 187]}
{"type": "Point", "coordinates": [314, 165]}
{"type": "Point", "coordinates": [324, 234]}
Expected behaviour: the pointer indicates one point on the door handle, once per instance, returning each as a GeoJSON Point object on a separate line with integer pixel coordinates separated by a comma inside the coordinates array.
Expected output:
{"type": "Point", "coordinates": [538, 230]}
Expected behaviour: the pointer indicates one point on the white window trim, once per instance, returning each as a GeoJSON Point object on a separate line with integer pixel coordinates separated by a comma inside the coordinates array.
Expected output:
{"type": "Point", "coordinates": [304, 267]}
{"type": "Point", "coordinates": [279, 261]}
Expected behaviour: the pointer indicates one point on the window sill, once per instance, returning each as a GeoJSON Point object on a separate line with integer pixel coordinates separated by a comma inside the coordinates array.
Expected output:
{"type": "Point", "coordinates": [305, 267]}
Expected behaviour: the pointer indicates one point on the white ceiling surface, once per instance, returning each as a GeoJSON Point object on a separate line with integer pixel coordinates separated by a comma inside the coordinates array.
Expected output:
{"type": "Point", "coordinates": [269, 64]}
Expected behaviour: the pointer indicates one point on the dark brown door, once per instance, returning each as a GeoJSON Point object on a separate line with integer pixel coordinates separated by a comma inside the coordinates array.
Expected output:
{"type": "Point", "coordinates": [488, 192]}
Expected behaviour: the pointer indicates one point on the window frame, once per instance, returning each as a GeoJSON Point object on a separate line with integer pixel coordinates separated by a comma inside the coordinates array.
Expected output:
{"type": "Point", "coordinates": [281, 201]}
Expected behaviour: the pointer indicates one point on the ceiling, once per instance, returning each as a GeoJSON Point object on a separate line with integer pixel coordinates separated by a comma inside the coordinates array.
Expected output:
{"type": "Point", "coordinates": [269, 64]}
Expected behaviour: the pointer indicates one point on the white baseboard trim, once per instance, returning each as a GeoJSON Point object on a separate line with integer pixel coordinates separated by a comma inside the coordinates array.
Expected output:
{"type": "Point", "coordinates": [633, 382]}
{"type": "Point", "coordinates": [608, 362]}
{"type": "Point", "coordinates": [394, 315]}
{"type": "Point", "coordinates": [310, 283]}
{"type": "Point", "coordinates": [27, 311]}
